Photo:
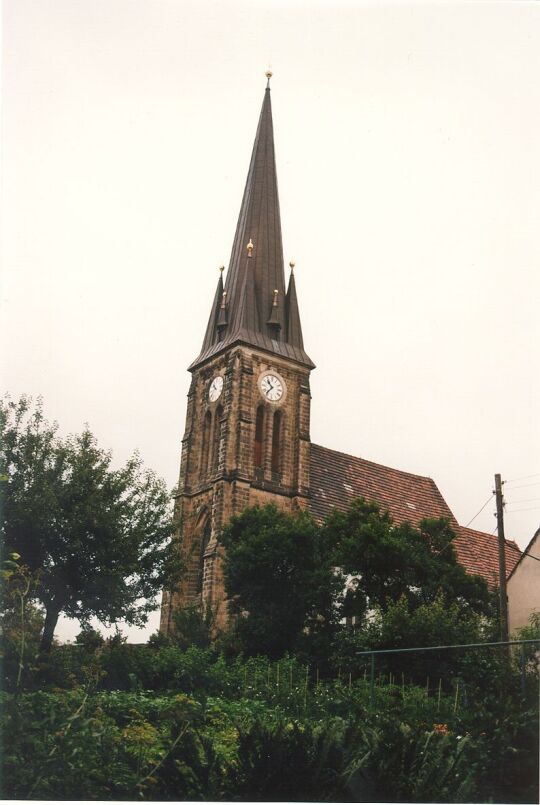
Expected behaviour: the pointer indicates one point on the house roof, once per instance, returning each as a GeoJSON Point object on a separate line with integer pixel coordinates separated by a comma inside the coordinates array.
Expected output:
{"type": "Point", "coordinates": [337, 479]}
{"type": "Point", "coordinates": [478, 552]}
{"type": "Point", "coordinates": [526, 552]}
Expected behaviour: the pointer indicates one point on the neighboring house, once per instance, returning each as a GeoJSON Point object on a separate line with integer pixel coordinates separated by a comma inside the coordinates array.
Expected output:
{"type": "Point", "coordinates": [523, 587]}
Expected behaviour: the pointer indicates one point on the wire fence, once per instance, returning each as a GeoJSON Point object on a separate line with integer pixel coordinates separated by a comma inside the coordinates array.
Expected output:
{"type": "Point", "coordinates": [506, 646]}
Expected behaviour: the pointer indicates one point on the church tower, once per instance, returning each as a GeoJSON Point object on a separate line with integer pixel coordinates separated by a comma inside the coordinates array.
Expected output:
{"type": "Point", "coordinates": [247, 439]}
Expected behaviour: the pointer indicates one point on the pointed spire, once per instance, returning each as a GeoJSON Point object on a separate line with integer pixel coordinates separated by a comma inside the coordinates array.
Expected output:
{"type": "Point", "coordinates": [294, 328]}
{"type": "Point", "coordinates": [210, 334]}
{"type": "Point", "coordinates": [256, 278]}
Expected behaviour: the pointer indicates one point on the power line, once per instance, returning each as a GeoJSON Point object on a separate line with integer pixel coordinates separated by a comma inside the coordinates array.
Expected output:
{"type": "Point", "coordinates": [481, 510]}
{"type": "Point", "coordinates": [524, 553]}
{"type": "Point", "coordinates": [521, 500]}
{"type": "Point", "coordinates": [525, 486]}
{"type": "Point", "coordinates": [522, 478]}
{"type": "Point", "coordinates": [531, 509]}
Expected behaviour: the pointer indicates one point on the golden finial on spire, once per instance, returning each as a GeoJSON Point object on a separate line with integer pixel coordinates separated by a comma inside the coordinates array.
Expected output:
{"type": "Point", "coordinates": [292, 265]}
{"type": "Point", "coordinates": [222, 269]}
{"type": "Point", "coordinates": [249, 248]}
{"type": "Point", "coordinates": [274, 302]}
{"type": "Point", "coordinates": [268, 75]}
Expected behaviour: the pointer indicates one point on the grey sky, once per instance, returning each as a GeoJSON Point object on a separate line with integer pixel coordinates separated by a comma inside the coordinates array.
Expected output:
{"type": "Point", "coordinates": [408, 156]}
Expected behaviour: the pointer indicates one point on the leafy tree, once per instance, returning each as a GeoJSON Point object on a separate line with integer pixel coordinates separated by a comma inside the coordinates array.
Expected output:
{"type": "Point", "coordinates": [405, 585]}
{"type": "Point", "coordinates": [97, 536]}
{"type": "Point", "coordinates": [193, 627]}
{"type": "Point", "coordinates": [388, 562]}
{"type": "Point", "coordinates": [279, 579]}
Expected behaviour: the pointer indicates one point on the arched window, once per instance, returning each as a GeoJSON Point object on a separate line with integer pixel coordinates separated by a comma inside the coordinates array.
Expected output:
{"type": "Point", "coordinates": [203, 463]}
{"type": "Point", "coordinates": [205, 539]}
{"type": "Point", "coordinates": [258, 452]}
{"type": "Point", "coordinates": [216, 437]}
{"type": "Point", "coordinates": [276, 443]}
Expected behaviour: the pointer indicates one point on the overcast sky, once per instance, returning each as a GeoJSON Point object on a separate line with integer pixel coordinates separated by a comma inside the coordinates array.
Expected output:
{"type": "Point", "coordinates": [408, 157]}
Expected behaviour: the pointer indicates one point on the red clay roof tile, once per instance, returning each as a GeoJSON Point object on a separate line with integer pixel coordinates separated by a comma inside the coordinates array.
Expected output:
{"type": "Point", "coordinates": [337, 479]}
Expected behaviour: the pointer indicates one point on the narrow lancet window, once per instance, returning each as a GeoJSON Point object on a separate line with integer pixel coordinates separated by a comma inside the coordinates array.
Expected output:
{"type": "Point", "coordinates": [205, 539]}
{"type": "Point", "coordinates": [203, 463]}
{"type": "Point", "coordinates": [216, 438]}
{"type": "Point", "coordinates": [276, 443]}
{"type": "Point", "coordinates": [259, 438]}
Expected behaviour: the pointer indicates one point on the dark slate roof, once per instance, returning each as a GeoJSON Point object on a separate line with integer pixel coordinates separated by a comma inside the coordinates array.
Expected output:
{"type": "Point", "coordinates": [251, 317]}
{"type": "Point", "coordinates": [337, 479]}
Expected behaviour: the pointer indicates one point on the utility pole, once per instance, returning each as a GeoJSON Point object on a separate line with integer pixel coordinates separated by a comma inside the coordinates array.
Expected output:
{"type": "Point", "coordinates": [502, 559]}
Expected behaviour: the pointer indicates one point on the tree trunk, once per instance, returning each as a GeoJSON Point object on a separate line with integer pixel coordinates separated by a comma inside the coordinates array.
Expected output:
{"type": "Point", "coordinates": [51, 619]}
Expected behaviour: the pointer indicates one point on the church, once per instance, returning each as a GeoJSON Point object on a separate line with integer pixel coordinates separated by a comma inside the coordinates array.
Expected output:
{"type": "Point", "coordinates": [247, 437]}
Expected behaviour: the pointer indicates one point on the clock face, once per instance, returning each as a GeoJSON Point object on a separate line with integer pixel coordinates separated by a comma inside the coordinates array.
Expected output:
{"type": "Point", "coordinates": [216, 387]}
{"type": "Point", "coordinates": [272, 388]}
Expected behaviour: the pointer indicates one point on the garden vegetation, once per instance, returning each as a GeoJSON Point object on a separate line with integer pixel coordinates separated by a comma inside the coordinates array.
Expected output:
{"type": "Point", "coordinates": [284, 704]}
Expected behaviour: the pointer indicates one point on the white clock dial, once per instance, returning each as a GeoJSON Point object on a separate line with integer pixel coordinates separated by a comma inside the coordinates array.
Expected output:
{"type": "Point", "coordinates": [272, 388]}
{"type": "Point", "coordinates": [216, 387]}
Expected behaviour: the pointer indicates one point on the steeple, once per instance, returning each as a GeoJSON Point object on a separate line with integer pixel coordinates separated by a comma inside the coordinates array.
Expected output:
{"type": "Point", "coordinates": [257, 310]}
{"type": "Point", "coordinates": [294, 328]}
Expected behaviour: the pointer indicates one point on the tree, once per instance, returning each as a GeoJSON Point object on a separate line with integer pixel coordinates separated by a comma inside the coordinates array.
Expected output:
{"type": "Point", "coordinates": [283, 582]}
{"type": "Point", "coordinates": [97, 536]}
{"type": "Point", "coordinates": [279, 579]}
{"type": "Point", "coordinates": [406, 590]}
{"type": "Point", "coordinates": [388, 561]}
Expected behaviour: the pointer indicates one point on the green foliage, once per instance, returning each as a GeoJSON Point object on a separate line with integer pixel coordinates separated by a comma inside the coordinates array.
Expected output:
{"type": "Point", "coordinates": [390, 561]}
{"type": "Point", "coordinates": [399, 625]}
{"type": "Point", "coordinates": [405, 585]}
{"type": "Point", "coordinates": [193, 627]}
{"type": "Point", "coordinates": [21, 623]}
{"type": "Point", "coordinates": [97, 536]}
{"type": "Point", "coordinates": [324, 742]}
{"type": "Point", "coordinates": [430, 766]}
{"type": "Point", "coordinates": [530, 652]}
{"type": "Point", "coordinates": [279, 579]}
{"type": "Point", "coordinates": [280, 760]}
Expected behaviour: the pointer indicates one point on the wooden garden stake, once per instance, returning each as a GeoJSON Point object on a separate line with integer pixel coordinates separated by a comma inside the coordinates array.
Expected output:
{"type": "Point", "coordinates": [457, 696]}
{"type": "Point", "coordinates": [439, 696]}
{"type": "Point", "coordinates": [427, 687]}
